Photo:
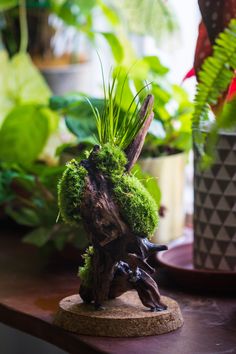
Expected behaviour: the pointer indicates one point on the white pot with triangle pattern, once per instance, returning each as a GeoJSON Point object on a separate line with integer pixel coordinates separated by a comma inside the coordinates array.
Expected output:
{"type": "Point", "coordinates": [215, 209]}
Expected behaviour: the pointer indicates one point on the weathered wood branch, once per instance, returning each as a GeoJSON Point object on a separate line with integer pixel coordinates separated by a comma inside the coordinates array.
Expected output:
{"type": "Point", "coordinates": [120, 259]}
{"type": "Point", "coordinates": [134, 149]}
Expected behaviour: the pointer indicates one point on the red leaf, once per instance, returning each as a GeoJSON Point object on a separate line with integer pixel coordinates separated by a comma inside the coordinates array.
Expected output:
{"type": "Point", "coordinates": [232, 90]}
{"type": "Point", "coordinates": [189, 74]}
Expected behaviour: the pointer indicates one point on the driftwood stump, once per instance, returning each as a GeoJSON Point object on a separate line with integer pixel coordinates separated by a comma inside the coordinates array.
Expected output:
{"type": "Point", "coordinates": [120, 260]}
{"type": "Point", "coordinates": [122, 257]}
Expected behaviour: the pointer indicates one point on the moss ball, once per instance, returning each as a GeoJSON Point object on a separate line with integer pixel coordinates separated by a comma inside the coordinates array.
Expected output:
{"type": "Point", "coordinates": [111, 161]}
{"type": "Point", "coordinates": [70, 192]}
{"type": "Point", "coordinates": [137, 206]}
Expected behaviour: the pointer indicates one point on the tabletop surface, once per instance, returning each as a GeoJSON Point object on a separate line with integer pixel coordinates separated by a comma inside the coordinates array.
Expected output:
{"type": "Point", "coordinates": [30, 290]}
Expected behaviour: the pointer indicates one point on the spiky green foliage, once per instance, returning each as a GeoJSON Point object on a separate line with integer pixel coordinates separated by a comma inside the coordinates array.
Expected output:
{"type": "Point", "coordinates": [111, 161]}
{"type": "Point", "coordinates": [85, 272]}
{"type": "Point", "coordinates": [215, 76]}
{"type": "Point", "coordinates": [114, 126]}
{"type": "Point", "coordinates": [70, 191]}
{"type": "Point", "coordinates": [137, 206]}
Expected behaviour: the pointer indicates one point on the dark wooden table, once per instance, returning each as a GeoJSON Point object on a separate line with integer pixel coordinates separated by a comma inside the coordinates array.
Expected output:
{"type": "Point", "coordinates": [30, 291]}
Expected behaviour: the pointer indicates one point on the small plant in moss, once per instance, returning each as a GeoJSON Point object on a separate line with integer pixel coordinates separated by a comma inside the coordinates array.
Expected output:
{"type": "Point", "coordinates": [116, 210]}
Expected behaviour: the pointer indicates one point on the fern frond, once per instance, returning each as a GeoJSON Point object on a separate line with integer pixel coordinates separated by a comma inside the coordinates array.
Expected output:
{"type": "Point", "coordinates": [215, 76]}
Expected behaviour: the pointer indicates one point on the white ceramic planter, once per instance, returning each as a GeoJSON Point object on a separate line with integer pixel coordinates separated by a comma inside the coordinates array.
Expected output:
{"type": "Point", "coordinates": [72, 78]}
{"type": "Point", "coordinates": [169, 171]}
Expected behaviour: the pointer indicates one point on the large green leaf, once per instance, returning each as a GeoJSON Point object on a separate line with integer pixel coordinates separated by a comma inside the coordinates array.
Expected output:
{"type": "Point", "coordinates": [109, 12]}
{"type": "Point", "coordinates": [79, 116]}
{"type": "Point", "coordinates": [7, 4]}
{"type": "Point", "coordinates": [115, 46]}
{"type": "Point", "coordinates": [20, 82]}
{"type": "Point", "coordinates": [23, 134]}
{"type": "Point", "coordinates": [25, 81]}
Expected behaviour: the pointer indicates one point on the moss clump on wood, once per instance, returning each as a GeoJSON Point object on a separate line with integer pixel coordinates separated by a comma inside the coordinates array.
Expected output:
{"type": "Point", "coordinates": [111, 161]}
{"type": "Point", "coordinates": [137, 206]}
{"type": "Point", "coordinates": [70, 191]}
{"type": "Point", "coordinates": [85, 272]}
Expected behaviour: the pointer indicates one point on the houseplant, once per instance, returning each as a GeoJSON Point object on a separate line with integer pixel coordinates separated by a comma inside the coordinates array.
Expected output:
{"type": "Point", "coordinates": [119, 216]}
{"type": "Point", "coordinates": [55, 36]}
{"type": "Point", "coordinates": [214, 219]}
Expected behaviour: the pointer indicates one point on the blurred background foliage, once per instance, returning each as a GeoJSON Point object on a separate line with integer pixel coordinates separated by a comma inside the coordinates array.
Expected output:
{"type": "Point", "coordinates": [40, 132]}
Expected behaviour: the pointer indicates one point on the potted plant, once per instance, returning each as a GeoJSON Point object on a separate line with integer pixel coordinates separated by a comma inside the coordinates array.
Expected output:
{"type": "Point", "coordinates": [56, 36]}
{"type": "Point", "coordinates": [214, 180]}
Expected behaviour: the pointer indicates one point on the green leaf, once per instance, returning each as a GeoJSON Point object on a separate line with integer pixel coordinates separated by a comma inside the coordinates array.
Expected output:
{"type": "Point", "coordinates": [6, 192]}
{"type": "Point", "coordinates": [149, 182]}
{"type": "Point", "coordinates": [152, 186]}
{"type": "Point", "coordinates": [20, 83]}
{"type": "Point", "coordinates": [73, 12]}
{"type": "Point", "coordinates": [155, 65]}
{"type": "Point", "coordinates": [109, 13]}
{"type": "Point", "coordinates": [38, 237]}
{"type": "Point", "coordinates": [23, 216]}
{"type": "Point", "coordinates": [25, 83]}
{"type": "Point", "coordinates": [23, 134]}
{"type": "Point", "coordinates": [79, 116]}
{"type": "Point", "coordinates": [115, 45]}
{"type": "Point", "coordinates": [148, 17]}
{"type": "Point", "coordinates": [7, 4]}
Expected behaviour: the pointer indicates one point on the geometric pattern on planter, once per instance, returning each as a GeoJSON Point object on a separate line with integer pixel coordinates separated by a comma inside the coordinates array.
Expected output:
{"type": "Point", "coordinates": [215, 209]}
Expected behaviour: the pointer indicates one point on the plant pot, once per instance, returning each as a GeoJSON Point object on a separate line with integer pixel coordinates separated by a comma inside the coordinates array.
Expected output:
{"type": "Point", "coordinates": [69, 78]}
{"type": "Point", "coordinates": [214, 208]}
{"type": "Point", "coordinates": [169, 171]}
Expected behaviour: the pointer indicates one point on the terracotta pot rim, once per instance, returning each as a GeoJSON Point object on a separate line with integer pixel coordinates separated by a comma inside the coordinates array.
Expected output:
{"type": "Point", "coordinates": [63, 68]}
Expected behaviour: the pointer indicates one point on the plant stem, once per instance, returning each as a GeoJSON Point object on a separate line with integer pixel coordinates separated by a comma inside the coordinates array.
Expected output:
{"type": "Point", "coordinates": [23, 26]}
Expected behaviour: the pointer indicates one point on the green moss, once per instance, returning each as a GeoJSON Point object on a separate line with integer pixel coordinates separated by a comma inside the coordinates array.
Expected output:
{"type": "Point", "coordinates": [111, 161]}
{"type": "Point", "coordinates": [85, 272]}
{"type": "Point", "coordinates": [70, 191]}
{"type": "Point", "coordinates": [137, 206]}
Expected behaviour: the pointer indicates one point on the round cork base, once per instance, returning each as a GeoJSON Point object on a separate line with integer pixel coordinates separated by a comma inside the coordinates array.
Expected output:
{"type": "Point", "coordinates": [122, 317]}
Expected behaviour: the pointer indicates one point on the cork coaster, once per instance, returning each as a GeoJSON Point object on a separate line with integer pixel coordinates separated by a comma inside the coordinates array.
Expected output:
{"type": "Point", "coordinates": [122, 317]}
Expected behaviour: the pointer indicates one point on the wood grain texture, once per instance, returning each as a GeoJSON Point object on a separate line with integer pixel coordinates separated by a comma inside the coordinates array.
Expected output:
{"type": "Point", "coordinates": [122, 317]}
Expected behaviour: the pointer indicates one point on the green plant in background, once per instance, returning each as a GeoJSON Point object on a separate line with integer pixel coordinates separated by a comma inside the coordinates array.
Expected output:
{"type": "Point", "coordinates": [136, 204]}
{"type": "Point", "coordinates": [170, 131]}
{"type": "Point", "coordinates": [29, 116]}
{"type": "Point", "coordinates": [148, 17]}
{"type": "Point", "coordinates": [171, 128]}
{"type": "Point", "coordinates": [214, 79]}
{"type": "Point", "coordinates": [78, 14]}
{"type": "Point", "coordinates": [29, 197]}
